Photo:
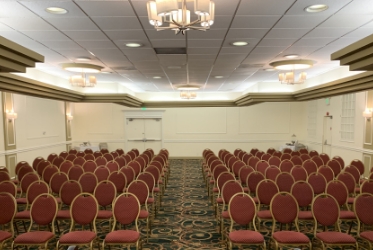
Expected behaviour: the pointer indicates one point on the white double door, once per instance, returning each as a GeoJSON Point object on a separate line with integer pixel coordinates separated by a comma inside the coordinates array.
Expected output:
{"type": "Point", "coordinates": [143, 133]}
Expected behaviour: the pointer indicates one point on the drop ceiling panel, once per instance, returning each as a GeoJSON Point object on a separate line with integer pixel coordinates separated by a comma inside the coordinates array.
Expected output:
{"type": "Point", "coordinates": [117, 23]}
{"type": "Point", "coordinates": [344, 21]}
{"type": "Point", "coordinates": [273, 7]}
{"type": "Point", "coordinates": [14, 9]}
{"type": "Point", "coordinates": [27, 23]}
{"type": "Point", "coordinates": [237, 50]}
{"type": "Point", "coordinates": [97, 44]}
{"type": "Point", "coordinates": [138, 58]}
{"type": "Point", "coordinates": [168, 43]}
{"type": "Point", "coordinates": [86, 35]}
{"type": "Point", "coordinates": [102, 8]}
{"type": "Point", "coordinates": [286, 33]}
{"type": "Point", "coordinates": [300, 22]}
{"type": "Point", "coordinates": [221, 22]}
{"type": "Point", "coordinates": [22, 40]}
{"type": "Point", "coordinates": [360, 33]}
{"type": "Point", "coordinates": [163, 34]}
{"type": "Point", "coordinates": [328, 32]}
{"type": "Point", "coordinates": [333, 6]}
{"type": "Point", "coordinates": [225, 8]}
{"type": "Point", "coordinates": [61, 44]}
{"type": "Point", "coordinates": [268, 50]}
{"type": "Point", "coordinates": [4, 27]}
{"type": "Point", "coordinates": [46, 35]}
{"type": "Point", "coordinates": [211, 34]}
{"type": "Point", "coordinates": [38, 7]}
{"type": "Point", "coordinates": [204, 43]}
{"type": "Point", "coordinates": [239, 34]}
{"type": "Point", "coordinates": [129, 35]}
{"type": "Point", "coordinates": [199, 51]}
{"type": "Point", "coordinates": [140, 8]}
{"type": "Point", "coordinates": [258, 58]}
{"type": "Point", "coordinates": [314, 41]}
{"type": "Point", "coordinates": [254, 22]}
{"type": "Point", "coordinates": [277, 42]}
{"type": "Point", "coordinates": [301, 50]}
{"type": "Point", "coordinates": [75, 23]}
{"type": "Point", "coordinates": [140, 51]}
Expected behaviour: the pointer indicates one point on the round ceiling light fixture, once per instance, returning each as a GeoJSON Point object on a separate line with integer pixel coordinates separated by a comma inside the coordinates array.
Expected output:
{"type": "Point", "coordinates": [134, 45]}
{"type": "Point", "coordinates": [291, 56]}
{"type": "Point", "coordinates": [316, 8]}
{"type": "Point", "coordinates": [218, 77]}
{"type": "Point", "coordinates": [239, 43]}
{"type": "Point", "coordinates": [292, 64]}
{"type": "Point", "coordinates": [188, 87]}
{"type": "Point", "coordinates": [157, 77]}
{"type": "Point", "coordinates": [56, 10]}
{"type": "Point", "coordinates": [82, 67]}
{"type": "Point", "coordinates": [83, 59]}
{"type": "Point", "coordinates": [174, 67]}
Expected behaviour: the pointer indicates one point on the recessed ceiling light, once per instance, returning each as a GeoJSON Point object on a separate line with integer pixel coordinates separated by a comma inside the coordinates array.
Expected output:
{"type": "Point", "coordinates": [134, 45]}
{"type": "Point", "coordinates": [219, 77]}
{"type": "Point", "coordinates": [157, 77]}
{"type": "Point", "coordinates": [316, 8]}
{"type": "Point", "coordinates": [56, 10]}
{"type": "Point", "coordinates": [83, 59]}
{"type": "Point", "coordinates": [240, 43]}
{"type": "Point", "coordinates": [291, 56]}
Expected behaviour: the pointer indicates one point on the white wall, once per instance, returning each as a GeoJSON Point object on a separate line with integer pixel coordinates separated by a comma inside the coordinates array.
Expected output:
{"type": "Point", "coordinates": [40, 127]}
{"type": "Point", "coordinates": [347, 150]}
{"type": "Point", "coordinates": [2, 146]}
{"type": "Point", "coordinates": [187, 131]}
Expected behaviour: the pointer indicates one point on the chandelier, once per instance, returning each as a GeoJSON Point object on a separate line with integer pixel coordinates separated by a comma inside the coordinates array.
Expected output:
{"type": "Point", "coordinates": [177, 17]}
{"type": "Point", "coordinates": [83, 81]}
{"type": "Point", "coordinates": [187, 91]}
{"type": "Point", "coordinates": [292, 65]}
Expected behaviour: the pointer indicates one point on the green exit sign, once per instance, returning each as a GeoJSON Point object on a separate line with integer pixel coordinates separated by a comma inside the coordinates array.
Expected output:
{"type": "Point", "coordinates": [143, 108]}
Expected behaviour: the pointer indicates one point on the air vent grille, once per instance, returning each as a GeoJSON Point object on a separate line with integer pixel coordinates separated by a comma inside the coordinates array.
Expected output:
{"type": "Point", "coordinates": [170, 51]}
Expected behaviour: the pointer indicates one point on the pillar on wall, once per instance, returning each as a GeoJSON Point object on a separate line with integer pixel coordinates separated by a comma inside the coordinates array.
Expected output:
{"type": "Point", "coordinates": [368, 136]}
{"type": "Point", "coordinates": [9, 131]}
{"type": "Point", "coordinates": [68, 120]}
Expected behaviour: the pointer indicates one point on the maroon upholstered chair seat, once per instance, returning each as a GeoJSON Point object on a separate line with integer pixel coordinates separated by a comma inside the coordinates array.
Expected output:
{"type": "Point", "coordinates": [150, 200]}
{"type": "Point", "coordinates": [335, 237]}
{"type": "Point", "coordinates": [245, 236]}
{"type": "Point", "coordinates": [63, 214]}
{"type": "Point", "coordinates": [122, 236]}
{"type": "Point", "coordinates": [350, 200]}
{"type": "Point", "coordinates": [23, 215]}
{"type": "Point", "coordinates": [246, 189]}
{"type": "Point", "coordinates": [156, 190]}
{"type": "Point", "coordinates": [21, 200]}
{"type": "Point", "coordinates": [104, 214]}
{"type": "Point", "coordinates": [143, 214]}
{"type": "Point", "coordinates": [78, 237]}
{"type": "Point", "coordinates": [264, 214]}
{"type": "Point", "coordinates": [367, 235]}
{"type": "Point", "coordinates": [219, 200]}
{"type": "Point", "coordinates": [36, 237]}
{"type": "Point", "coordinates": [348, 215]}
{"type": "Point", "coordinates": [215, 190]}
{"type": "Point", "coordinates": [225, 214]}
{"type": "Point", "coordinates": [305, 215]}
{"type": "Point", "coordinates": [290, 237]}
{"type": "Point", "coordinates": [4, 235]}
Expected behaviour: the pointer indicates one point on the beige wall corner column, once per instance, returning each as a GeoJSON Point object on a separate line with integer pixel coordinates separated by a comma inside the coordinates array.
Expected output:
{"type": "Point", "coordinates": [368, 136]}
{"type": "Point", "coordinates": [9, 116]}
{"type": "Point", "coordinates": [68, 120]}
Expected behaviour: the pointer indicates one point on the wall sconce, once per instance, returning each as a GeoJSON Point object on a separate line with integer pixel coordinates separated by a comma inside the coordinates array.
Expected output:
{"type": "Point", "coordinates": [10, 115]}
{"type": "Point", "coordinates": [367, 114]}
{"type": "Point", "coordinates": [69, 117]}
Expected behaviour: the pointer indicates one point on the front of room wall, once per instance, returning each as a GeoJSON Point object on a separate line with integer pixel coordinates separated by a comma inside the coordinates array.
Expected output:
{"type": "Point", "coordinates": [40, 128]}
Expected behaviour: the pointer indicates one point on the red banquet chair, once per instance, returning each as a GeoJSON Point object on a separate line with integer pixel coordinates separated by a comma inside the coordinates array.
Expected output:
{"type": "Point", "coordinates": [363, 209]}
{"type": "Point", "coordinates": [303, 193]}
{"type": "Point", "coordinates": [42, 213]}
{"type": "Point", "coordinates": [242, 211]}
{"type": "Point", "coordinates": [325, 210]}
{"type": "Point", "coordinates": [8, 209]}
{"type": "Point", "coordinates": [105, 193]}
{"type": "Point", "coordinates": [126, 210]}
{"type": "Point", "coordinates": [284, 210]}
{"type": "Point", "coordinates": [84, 209]}
{"type": "Point", "coordinates": [8, 187]}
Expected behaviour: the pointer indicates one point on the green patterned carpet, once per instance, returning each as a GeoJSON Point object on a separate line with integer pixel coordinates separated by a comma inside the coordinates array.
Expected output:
{"type": "Point", "coordinates": [186, 219]}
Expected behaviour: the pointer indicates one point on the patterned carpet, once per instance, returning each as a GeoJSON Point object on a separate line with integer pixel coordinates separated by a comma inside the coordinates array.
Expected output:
{"type": "Point", "coordinates": [186, 219]}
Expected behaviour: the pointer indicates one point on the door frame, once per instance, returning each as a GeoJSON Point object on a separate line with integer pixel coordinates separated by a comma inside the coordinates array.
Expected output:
{"type": "Point", "coordinates": [142, 114]}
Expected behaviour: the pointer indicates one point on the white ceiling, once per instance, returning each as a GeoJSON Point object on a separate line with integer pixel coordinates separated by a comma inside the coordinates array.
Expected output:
{"type": "Point", "coordinates": [273, 29]}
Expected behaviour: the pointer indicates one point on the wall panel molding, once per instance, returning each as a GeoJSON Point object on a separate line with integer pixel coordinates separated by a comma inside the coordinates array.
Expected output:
{"type": "Point", "coordinates": [22, 150]}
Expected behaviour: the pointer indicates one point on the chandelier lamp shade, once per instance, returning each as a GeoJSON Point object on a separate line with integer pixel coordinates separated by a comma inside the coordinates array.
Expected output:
{"type": "Point", "coordinates": [186, 94]}
{"type": "Point", "coordinates": [174, 15]}
{"type": "Point", "coordinates": [291, 66]}
{"type": "Point", "coordinates": [82, 80]}
{"type": "Point", "coordinates": [187, 91]}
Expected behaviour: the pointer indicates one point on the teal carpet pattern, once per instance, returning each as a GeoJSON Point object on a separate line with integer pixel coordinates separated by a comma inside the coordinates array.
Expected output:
{"type": "Point", "coordinates": [186, 218]}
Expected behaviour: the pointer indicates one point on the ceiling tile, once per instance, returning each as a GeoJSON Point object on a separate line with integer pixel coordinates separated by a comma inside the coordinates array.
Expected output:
{"type": "Point", "coordinates": [287, 33]}
{"type": "Point", "coordinates": [208, 43]}
{"type": "Point", "coordinates": [38, 7]}
{"type": "Point", "coordinates": [300, 22]}
{"type": "Point", "coordinates": [130, 35]}
{"type": "Point", "coordinates": [268, 50]}
{"type": "Point", "coordinates": [235, 34]}
{"type": "Point", "coordinates": [254, 22]}
{"type": "Point", "coordinates": [83, 35]}
{"type": "Point", "coordinates": [236, 50]}
{"type": "Point", "coordinates": [14, 9]}
{"type": "Point", "coordinates": [117, 23]}
{"type": "Point", "coordinates": [97, 44]}
{"type": "Point", "coordinates": [102, 8]}
{"type": "Point", "coordinates": [46, 35]}
{"type": "Point", "coordinates": [210, 34]}
{"type": "Point", "coordinates": [314, 41]}
{"type": "Point", "coordinates": [266, 7]}
{"type": "Point", "coordinates": [170, 43]}
{"type": "Point", "coordinates": [207, 51]}
{"type": "Point", "coordinates": [327, 32]}
{"type": "Point", "coordinates": [75, 23]}
{"type": "Point", "coordinates": [26, 23]}
{"type": "Point", "coordinates": [344, 21]}
{"type": "Point", "coordinates": [333, 7]}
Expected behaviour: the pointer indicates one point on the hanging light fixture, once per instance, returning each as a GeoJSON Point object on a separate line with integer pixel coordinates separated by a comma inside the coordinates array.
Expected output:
{"type": "Point", "coordinates": [82, 80]}
{"type": "Point", "coordinates": [187, 91]}
{"type": "Point", "coordinates": [292, 66]}
{"type": "Point", "coordinates": [174, 17]}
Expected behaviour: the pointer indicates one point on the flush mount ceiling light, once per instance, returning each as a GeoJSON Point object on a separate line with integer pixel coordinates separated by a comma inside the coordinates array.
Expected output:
{"type": "Point", "coordinates": [56, 10]}
{"type": "Point", "coordinates": [239, 43]}
{"type": "Point", "coordinates": [174, 67]}
{"type": "Point", "coordinates": [316, 8]}
{"type": "Point", "coordinates": [218, 77]}
{"type": "Point", "coordinates": [174, 15]}
{"type": "Point", "coordinates": [83, 59]}
{"type": "Point", "coordinates": [134, 45]}
{"type": "Point", "coordinates": [291, 56]}
{"type": "Point", "coordinates": [157, 77]}
{"type": "Point", "coordinates": [82, 67]}
{"type": "Point", "coordinates": [188, 87]}
{"type": "Point", "coordinates": [292, 65]}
